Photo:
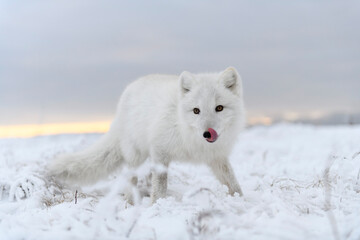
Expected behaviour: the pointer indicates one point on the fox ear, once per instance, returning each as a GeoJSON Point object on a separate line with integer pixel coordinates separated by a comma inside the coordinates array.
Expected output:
{"type": "Point", "coordinates": [231, 80]}
{"type": "Point", "coordinates": [186, 80]}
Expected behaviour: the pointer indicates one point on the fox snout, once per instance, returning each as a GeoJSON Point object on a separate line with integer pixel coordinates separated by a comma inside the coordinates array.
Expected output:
{"type": "Point", "coordinates": [210, 135]}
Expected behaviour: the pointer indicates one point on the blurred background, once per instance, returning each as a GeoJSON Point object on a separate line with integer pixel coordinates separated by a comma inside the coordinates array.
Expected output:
{"type": "Point", "coordinates": [64, 64]}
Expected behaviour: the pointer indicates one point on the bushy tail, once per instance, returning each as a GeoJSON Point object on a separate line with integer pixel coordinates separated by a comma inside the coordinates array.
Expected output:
{"type": "Point", "coordinates": [90, 165]}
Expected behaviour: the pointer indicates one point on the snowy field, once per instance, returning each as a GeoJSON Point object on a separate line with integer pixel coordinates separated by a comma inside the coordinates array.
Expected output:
{"type": "Point", "coordinates": [299, 182]}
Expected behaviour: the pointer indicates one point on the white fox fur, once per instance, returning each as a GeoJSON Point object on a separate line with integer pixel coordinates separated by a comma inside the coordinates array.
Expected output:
{"type": "Point", "coordinates": [155, 118]}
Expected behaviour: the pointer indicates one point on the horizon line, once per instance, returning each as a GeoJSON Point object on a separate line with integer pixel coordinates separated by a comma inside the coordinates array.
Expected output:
{"type": "Point", "coordinates": [46, 129]}
{"type": "Point", "coordinates": [33, 130]}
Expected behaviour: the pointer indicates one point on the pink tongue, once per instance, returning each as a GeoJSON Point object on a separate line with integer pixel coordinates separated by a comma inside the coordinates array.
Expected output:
{"type": "Point", "coordinates": [213, 134]}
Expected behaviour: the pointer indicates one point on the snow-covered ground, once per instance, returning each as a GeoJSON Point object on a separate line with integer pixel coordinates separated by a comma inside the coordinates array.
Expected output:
{"type": "Point", "coordinates": [299, 182]}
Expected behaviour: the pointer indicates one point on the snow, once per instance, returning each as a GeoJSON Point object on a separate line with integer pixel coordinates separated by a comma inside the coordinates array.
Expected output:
{"type": "Point", "coordinates": [299, 182]}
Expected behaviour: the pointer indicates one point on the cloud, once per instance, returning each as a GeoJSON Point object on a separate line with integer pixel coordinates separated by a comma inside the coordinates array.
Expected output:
{"type": "Point", "coordinates": [70, 60]}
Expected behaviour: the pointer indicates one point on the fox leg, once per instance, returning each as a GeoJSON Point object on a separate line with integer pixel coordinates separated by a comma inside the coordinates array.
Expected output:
{"type": "Point", "coordinates": [159, 180]}
{"type": "Point", "coordinates": [225, 174]}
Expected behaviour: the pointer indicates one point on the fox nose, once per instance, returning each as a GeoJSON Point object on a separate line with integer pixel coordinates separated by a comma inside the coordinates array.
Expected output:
{"type": "Point", "coordinates": [207, 134]}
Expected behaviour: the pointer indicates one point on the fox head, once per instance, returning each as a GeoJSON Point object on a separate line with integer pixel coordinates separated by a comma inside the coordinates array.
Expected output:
{"type": "Point", "coordinates": [211, 105]}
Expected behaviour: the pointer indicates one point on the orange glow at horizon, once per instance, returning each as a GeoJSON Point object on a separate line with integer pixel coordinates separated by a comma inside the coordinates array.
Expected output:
{"type": "Point", "coordinates": [24, 131]}
{"type": "Point", "coordinates": [262, 120]}
{"type": "Point", "coordinates": [32, 130]}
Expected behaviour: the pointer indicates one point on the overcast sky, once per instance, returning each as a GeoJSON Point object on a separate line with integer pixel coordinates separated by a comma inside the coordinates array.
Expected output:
{"type": "Point", "coordinates": [64, 61]}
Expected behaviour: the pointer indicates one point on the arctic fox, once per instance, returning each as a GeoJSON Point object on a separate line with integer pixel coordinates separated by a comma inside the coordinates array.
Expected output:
{"type": "Point", "coordinates": [191, 117]}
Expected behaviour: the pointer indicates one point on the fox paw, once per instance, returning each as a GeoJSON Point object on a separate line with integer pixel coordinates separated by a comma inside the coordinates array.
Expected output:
{"type": "Point", "coordinates": [24, 187]}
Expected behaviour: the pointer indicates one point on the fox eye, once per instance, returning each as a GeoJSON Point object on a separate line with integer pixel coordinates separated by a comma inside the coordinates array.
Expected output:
{"type": "Point", "coordinates": [219, 108]}
{"type": "Point", "coordinates": [196, 110]}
